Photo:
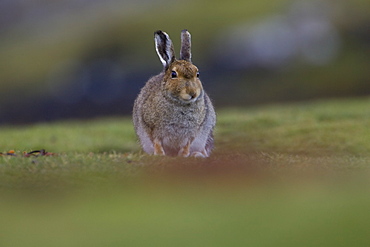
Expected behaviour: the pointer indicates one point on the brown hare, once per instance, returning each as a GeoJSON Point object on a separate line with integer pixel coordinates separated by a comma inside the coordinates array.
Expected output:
{"type": "Point", "coordinates": [173, 115]}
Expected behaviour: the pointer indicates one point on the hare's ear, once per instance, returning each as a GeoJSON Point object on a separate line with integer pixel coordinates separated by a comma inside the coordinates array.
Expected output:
{"type": "Point", "coordinates": [185, 52]}
{"type": "Point", "coordinates": [164, 48]}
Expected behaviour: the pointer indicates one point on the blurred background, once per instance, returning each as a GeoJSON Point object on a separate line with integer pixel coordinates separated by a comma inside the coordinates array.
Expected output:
{"type": "Point", "coordinates": [87, 58]}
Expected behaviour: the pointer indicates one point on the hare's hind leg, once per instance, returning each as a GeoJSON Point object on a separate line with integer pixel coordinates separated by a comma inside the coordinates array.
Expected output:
{"type": "Point", "coordinates": [202, 146]}
{"type": "Point", "coordinates": [200, 154]}
{"type": "Point", "coordinates": [158, 148]}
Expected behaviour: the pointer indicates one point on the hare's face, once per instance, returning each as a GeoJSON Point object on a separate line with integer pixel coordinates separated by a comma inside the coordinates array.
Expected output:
{"type": "Point", "coordinates": [181, 81]}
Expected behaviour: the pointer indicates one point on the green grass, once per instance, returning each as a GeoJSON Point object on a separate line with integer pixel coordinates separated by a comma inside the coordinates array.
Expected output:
{"type": "Point", "coordinates": [281, 175]}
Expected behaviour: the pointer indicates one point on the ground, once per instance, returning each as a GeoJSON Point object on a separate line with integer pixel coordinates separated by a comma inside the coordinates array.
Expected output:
{"type": "Point", "coordinates": [281, 175]}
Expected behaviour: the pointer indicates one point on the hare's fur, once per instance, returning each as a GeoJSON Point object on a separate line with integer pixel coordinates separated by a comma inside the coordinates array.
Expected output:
{"type": "Point", "coordinates": [173, 115]}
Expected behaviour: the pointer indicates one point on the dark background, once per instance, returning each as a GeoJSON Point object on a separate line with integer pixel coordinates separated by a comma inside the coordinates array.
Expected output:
{"type": "Point", "coordinates": [82, 59]}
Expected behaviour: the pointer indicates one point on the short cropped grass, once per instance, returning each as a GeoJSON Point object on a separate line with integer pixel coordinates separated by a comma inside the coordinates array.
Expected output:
{"type": "Point", "coordinates": [281, 175]}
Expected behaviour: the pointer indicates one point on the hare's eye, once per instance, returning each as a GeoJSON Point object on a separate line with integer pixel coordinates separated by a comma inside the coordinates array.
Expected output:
{"type": "Point", "coordinates": [173, 74]}
{"type": "Point", "coordinates": [197, 74]}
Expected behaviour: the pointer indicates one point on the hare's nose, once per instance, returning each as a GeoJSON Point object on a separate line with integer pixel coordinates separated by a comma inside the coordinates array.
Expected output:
{"type": "Point", "coordinates": [187, 97]}
{"type": "Point", "coordinates": [192, 94]}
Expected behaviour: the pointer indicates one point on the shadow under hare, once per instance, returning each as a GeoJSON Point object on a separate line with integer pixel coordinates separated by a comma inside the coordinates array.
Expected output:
{"type": "Point", "coordinates": [173, 115]}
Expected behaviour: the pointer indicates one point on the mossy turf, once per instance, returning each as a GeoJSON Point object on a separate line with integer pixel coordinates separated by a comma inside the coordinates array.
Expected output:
{"type": "Point", "coordinates": [281, 175]}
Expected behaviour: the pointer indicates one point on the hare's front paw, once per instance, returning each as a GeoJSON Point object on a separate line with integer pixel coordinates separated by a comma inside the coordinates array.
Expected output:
{"type": "Point", "coordinates": [185, 151]}
{"type": "Point", "coordinates": [158, 149]}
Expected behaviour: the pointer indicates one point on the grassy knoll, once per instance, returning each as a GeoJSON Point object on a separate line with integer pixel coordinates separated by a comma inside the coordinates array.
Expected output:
{"type": "Point", "coordinates": [281, 175]}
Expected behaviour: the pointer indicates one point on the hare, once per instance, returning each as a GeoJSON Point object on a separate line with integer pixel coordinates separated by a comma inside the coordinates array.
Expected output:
{"type": "Point", "coordinates": [172, 114]}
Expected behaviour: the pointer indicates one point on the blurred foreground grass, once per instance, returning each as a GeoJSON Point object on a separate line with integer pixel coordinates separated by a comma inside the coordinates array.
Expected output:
{"type": "Point", "coordinates": [283, 175]}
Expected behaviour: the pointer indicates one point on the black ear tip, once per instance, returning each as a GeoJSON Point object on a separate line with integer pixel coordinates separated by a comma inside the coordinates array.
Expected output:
{"type": "Point", "coordinates": [158, 32]}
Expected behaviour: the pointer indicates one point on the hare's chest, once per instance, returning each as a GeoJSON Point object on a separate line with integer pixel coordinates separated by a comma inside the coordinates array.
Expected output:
{"type": "Point", "coordinates": [178, 131]}
{"type": "Point", "coordinates": [185, 118]}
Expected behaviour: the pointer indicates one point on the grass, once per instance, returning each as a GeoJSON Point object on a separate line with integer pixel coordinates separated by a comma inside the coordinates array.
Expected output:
{"type": "Point", "coordinates": [281, 175]}
{"type": "Point", "coordinates": [316, 128]}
